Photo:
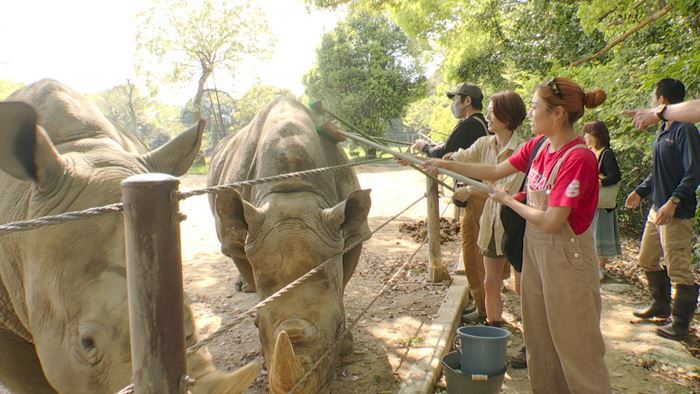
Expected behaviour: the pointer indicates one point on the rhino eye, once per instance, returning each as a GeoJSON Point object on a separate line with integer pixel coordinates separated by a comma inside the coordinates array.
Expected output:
{"type": "Point", "coordinates": [88, 343]}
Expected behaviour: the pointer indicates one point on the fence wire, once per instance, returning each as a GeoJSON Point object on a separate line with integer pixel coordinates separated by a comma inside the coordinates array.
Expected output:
{"type": "Point", "coordinates": [349, 328]}
{"type": "Point", "coordinates": [31, 224]}
{"type": "Point", "coordinates": [279, 293]}
{"type": "Point", "coordinates": [275, 178]}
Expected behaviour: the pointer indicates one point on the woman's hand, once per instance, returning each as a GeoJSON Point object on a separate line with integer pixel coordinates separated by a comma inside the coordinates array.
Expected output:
{"type": "Point", "coordinates": [500, 195]}
{"type": "Point", "coordinates": [431, 166]}
{"type": "Point", "coordinates": [403, 162]}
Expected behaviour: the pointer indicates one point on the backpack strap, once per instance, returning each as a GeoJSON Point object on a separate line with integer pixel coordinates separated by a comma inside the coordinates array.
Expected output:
{"type": "Point", "coordinates": [478, 119]}
{"type": "Point", "coordinates": [533, 155]}
{"type": "Point", "coordinates": [555, 171]}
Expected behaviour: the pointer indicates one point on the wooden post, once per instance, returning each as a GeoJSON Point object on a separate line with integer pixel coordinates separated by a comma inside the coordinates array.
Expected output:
{"type": "Point", "coordinates": [154, 283]}
{"type": "Point", "coordinates": [438, 272]}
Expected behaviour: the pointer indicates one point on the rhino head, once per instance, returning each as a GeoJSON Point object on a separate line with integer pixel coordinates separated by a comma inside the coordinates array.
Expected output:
{"type": "Point", "coordinates": [288, 235]}
{"type": "Point", "coordinates": [72, 275]}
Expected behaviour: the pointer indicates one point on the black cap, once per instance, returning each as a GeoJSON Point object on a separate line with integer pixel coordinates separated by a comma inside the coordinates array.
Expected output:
{"type": "Point", "coordinates": [467, 89]}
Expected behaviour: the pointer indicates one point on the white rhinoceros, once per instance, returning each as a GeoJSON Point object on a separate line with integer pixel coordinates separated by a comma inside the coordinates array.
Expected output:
{"type": "Point", "coordinates": [63, 299]}
{"type": "Point", "coordinates": [276, 232]}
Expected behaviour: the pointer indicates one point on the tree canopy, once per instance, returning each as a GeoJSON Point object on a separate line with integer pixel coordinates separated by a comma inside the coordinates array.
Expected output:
{"type": "Point", "coordinates": [366, 72]}
{"type": "Point", "coordinates": [621, 46]}
{"type": "Point", "coordinates": [186, 39]}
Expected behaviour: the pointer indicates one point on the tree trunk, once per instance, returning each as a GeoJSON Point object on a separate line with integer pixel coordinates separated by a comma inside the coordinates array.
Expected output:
{"type": "Point", "coordinates": [132, 110]}
{"type": "Point", "coordinates": [197, 102]}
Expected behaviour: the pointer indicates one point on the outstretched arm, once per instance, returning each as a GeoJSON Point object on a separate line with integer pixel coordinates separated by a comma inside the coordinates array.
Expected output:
{"type": "Point", "coordinates": [688, 111]}
{"type": "Point", "coordinates": [489, 172]}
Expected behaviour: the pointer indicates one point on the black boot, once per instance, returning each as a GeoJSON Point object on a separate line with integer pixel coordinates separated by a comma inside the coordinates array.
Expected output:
{"type": "Point", "coordinates": [683, 312]}
{"type": "Point", "coordinates": [660, 287]}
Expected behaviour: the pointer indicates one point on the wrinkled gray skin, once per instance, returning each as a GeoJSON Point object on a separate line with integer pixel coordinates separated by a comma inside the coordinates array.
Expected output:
{"type": "Point", "coordinates": [276, 232]}
{"type": "Point", "coordinates": [63, 300]}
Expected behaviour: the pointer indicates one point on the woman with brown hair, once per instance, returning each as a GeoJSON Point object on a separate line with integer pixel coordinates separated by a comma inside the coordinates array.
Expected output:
{"type": "Point", "coordinates": [505, 113]}
{"type": "Point", "coordinates": [560, 288]}
{"type": "Point", "coordinates": [606, 230]}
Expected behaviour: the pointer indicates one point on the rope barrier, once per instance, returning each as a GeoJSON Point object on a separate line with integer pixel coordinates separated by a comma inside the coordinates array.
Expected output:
{"type": "Point", "coordinates": [31, 224]}
{"type": "Point", "coordinates": [282, 177]}
{"type": "Point", "coordinates": [362, 313]}
{"type": "Point", "coordinates": [279, 293]}
{"type": "Point", "coordinates": [8, 228]}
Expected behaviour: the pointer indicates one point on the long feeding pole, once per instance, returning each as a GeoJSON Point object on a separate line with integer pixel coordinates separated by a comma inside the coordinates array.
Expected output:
{"type": "Point", "coordinates": [417, 161]}
{"type": "Point", "coordinates": [317, 107]}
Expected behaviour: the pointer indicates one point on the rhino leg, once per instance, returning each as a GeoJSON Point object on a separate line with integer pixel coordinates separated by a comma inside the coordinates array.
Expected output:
{"type": "Point", "coordinates": [245, 281]}
{"type": "Point", "coordinates": [20, 370]}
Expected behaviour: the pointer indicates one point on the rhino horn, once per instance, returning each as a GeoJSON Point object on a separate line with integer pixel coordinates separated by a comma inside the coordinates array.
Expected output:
{"type": "Point", "coordinates": [26, 151]}
{"type": "Point", "coordinates": [176, 156]}
{"type": "Point", "coordinates": [286, 369]}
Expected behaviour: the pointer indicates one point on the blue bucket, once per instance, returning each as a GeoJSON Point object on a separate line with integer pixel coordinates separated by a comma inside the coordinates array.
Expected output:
{"type": "Point", "coordinates": [482, 349]}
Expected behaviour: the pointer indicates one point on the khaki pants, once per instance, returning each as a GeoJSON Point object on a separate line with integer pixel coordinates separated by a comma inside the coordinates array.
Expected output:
{"type": "Point", "coordinates": [673, 241]}
{"type": "Point", "coordinates": [561, 313]}
{"type": "Point", "coordinates": [473, 261]}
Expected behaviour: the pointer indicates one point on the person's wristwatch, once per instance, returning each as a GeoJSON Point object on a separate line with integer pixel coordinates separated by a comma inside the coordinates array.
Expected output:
{"type": "Point", "coordinates": [660, 112]}
{"type": "Point", "coordinates": [675, 200]}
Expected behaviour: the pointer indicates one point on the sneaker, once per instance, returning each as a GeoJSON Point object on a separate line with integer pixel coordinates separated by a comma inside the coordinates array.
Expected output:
{"type": "Point", "coordinates": [473, 318]}
{"type": "Point", "coordinates": [519, 361]}
{"type": "Point", "coordinates": [601, 273]}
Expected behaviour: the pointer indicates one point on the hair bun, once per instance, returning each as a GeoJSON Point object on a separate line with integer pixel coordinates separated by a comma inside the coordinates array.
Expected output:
{"type": "Point", "coordinates": [594, 98]}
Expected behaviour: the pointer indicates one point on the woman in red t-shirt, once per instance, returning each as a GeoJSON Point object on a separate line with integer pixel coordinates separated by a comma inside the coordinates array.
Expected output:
{"type": "Point", "coordinates": [560, 287]}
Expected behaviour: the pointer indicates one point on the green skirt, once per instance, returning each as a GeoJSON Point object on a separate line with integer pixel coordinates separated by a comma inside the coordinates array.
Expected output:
{"type": "Point", "coordinates": [606, 232]}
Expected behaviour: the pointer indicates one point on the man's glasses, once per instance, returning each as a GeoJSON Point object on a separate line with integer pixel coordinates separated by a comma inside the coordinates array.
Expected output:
{"type": "Point", "coordinates": [555, 88]}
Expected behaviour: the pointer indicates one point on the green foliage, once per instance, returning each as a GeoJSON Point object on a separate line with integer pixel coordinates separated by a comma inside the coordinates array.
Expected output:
{"type": "Point", "coordinates": [366, 73]}
{"type": "Point", "coordinates": [253, 101]}
{"type": "Point", "coordinates": [513, 44]}
{"type": "Point", "coordinates": [124, 105]}
{"type": "Point", "coordinates": [8, 87]}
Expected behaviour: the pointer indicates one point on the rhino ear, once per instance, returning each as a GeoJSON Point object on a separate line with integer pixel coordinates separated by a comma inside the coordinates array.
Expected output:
{"type": "Point", "coordinates": [177, 155]}
{"type": "Point", "coordinates": [26, 152]}
{"type": "Point", "coordinates": [236, 213]}
{"type": "Point", "coordinates": [350, 215]}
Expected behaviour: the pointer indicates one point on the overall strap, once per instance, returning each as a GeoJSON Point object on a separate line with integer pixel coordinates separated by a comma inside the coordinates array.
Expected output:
{"type": "Point", "coordinates": [555, 171]}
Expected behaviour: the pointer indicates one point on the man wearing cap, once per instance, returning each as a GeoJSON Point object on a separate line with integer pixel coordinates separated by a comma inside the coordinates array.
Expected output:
{"type": "Point", "coordinates": [467, 102]}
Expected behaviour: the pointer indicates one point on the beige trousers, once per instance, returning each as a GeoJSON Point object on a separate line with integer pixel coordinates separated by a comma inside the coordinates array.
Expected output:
{"type": "Point", "coordinates": [473, 261]}
{"type": "Point", "coordinates": [561, 313]}
{"type": "Point", "coordinates": [673, 242]}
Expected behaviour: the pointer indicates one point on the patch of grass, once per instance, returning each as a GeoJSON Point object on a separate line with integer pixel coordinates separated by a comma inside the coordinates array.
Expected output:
{"type": "Point", "coordinates": [412, 341]}
{"type": "Point", "coordinates": [198, 169]}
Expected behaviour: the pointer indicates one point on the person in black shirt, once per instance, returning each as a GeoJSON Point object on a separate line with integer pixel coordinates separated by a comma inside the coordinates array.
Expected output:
{"type": "Point", "coordinates": [467, 102]}
{"type": "Point", "coordinates": [669, 228]}
{"type": "Point", "coordinates": [606, 230]}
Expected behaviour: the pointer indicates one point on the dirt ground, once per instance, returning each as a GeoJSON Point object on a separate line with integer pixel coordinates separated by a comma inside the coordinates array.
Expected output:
{"type": "Point", "coordinates": [396, 322]}
{"type": "Point", "coordinates": [638, 360]}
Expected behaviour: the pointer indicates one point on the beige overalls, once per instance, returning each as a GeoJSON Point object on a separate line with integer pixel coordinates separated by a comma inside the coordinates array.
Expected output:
{"type": "Point", "coordinates": [561, 305]}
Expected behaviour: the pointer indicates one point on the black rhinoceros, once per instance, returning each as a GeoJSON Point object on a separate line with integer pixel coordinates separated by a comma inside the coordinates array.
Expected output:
{"type": "Point", "coordinates": [63, 299]}
{"type": "Point", "coordinates": [276, 232]}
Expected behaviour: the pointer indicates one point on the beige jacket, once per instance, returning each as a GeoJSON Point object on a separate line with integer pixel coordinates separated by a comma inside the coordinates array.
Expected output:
{"type": "Point", "coordinates": [485, 151]}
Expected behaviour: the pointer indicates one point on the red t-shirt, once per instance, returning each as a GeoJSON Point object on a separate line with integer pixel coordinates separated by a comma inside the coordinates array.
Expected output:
{"type": "Point", "coordinates": [576, 185]}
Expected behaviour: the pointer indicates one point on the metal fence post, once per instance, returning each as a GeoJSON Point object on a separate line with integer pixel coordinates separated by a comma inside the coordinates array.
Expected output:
{"type": "Point", "coordinates": [438, 272]}
{"type": "Point", "coordinates": [154, 282]}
